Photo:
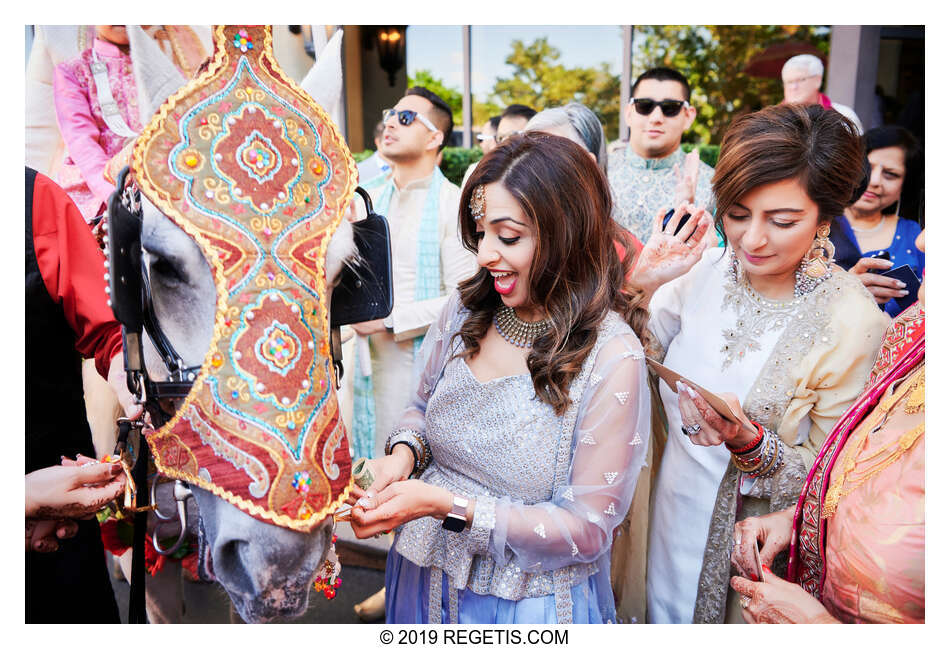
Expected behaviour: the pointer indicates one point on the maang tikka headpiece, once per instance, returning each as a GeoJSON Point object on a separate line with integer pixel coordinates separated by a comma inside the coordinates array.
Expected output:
{"type": "Point", "coordinates": [477, 203]}
{"type": "Point", "coordinates": [250, 167]}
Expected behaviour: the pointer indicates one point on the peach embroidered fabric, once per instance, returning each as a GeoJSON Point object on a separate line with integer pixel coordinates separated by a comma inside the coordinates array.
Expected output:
{"type": "Point", "coordinates": [875, 539]}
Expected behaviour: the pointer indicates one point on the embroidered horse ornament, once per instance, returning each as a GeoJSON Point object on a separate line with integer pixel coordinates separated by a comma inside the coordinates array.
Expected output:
{"type": "Point", "coordinates": [251, 168]}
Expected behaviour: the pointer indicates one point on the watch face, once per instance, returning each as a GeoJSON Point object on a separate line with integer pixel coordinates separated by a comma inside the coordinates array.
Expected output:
{"type": "Point", "coordinates": [453, 523]}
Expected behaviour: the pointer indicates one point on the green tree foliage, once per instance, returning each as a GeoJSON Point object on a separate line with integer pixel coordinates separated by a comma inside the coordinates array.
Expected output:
{"type": "Point", "coordinates": [481, 111]}
{"type": "Point", "coordinates": [540, 81]}
{"type": "Point", "coordinates": [713, 58]}
{"type": "Point", "coordinates": [451, 96]}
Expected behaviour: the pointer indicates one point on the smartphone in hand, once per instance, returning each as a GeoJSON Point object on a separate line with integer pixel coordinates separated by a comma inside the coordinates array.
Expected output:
{"type": "Point", "coordinates": [679, 226]}
{"type": "Point", "coordinates": [907, 275]}
{"type": "Point", "coordinates": [757, 575]}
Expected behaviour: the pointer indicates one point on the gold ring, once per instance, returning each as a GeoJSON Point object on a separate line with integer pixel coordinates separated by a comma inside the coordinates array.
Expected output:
{"type": "Point", "coordinates": [744, 601]}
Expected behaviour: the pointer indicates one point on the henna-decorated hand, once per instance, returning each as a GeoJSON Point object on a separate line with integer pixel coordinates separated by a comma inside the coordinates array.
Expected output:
{"type": "Point", "coordinates": [776, 601]}
{"type": "Point", "coordinates": [773, 533]}
{"type": "Point", "coordinates": [72, 491]}
{"type": "Point", "coordinates": [42, 535]}
{"type": "Point", "coordinates": [666, 256]}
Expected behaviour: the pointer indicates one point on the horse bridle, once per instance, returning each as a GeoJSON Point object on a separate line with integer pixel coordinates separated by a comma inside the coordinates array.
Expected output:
{"type": "Point", "coordinates": [360, 295]}
{"type": "Point", "coordinates": [130, 297]}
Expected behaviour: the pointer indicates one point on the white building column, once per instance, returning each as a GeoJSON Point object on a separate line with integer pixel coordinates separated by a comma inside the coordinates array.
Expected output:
{"type": "Point", "coordinates": [467, 86]}
{"type": "Point", "coordinates": [852, 67]}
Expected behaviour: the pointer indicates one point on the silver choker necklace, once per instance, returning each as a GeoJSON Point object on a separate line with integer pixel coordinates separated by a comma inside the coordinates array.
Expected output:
{"type": "Point", "coordinates": [515, 330]}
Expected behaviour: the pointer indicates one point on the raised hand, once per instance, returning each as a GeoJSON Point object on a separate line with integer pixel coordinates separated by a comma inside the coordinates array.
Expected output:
{"type": "Point", "coordinates": [685, 189]}
{"type": "Point", "coordinates": [666, 256]}
{"type": "Point", "coordinates": [772, 532]}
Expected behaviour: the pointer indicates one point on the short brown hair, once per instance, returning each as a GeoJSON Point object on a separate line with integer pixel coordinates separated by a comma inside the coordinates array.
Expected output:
{"type": "Point", "coordinates": [821, 148]}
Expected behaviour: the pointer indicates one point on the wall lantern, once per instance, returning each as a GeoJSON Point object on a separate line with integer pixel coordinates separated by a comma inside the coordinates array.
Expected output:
{"type": "Point", "coordinates": [391, 46]}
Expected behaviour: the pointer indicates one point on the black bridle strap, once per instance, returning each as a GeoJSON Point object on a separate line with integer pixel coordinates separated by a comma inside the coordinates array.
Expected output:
{"type": "Point", "coordinates": [137, 588]}
{"type": "Point", "coordinates": [172, 359]}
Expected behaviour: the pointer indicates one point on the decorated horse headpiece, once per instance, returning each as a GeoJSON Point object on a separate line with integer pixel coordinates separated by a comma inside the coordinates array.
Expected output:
{"type": "Point", "coordinates": [250, 167]}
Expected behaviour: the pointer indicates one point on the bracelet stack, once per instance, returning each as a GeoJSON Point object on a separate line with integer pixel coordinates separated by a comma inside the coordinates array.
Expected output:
{"type": "Point", "coordinates": [416, 443]}
{"type": "Point", "coordinates": [763, 457]}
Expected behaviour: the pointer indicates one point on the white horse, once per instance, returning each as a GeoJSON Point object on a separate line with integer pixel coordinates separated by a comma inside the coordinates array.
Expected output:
{"type": "Point", "coordinates": [266, 570]}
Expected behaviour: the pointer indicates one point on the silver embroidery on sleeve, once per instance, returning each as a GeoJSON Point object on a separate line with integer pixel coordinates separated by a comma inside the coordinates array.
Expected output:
{"type": "Point", "coordinates": [465, 460]}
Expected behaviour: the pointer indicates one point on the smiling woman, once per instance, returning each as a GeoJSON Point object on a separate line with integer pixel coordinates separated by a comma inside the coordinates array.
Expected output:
{"type": "Point", "coordinates": [786, 340]}
{"type": "Point", "coordinates": [877, 231]}
{"type": "Point", "coordinates": [528, 426]}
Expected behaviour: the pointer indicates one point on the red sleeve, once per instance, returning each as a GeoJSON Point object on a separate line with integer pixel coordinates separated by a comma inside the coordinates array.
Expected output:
{"type": "Point", "coordinates": [72, 268]}
{"type": "Point", "coordinates": [637, 247]}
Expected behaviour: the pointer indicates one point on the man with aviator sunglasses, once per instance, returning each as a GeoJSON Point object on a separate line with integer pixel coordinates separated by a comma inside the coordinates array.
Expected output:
{"type": "Point", "coordinates": [652, 173]}
{"type": "Point", "coordinates": [428, 260]}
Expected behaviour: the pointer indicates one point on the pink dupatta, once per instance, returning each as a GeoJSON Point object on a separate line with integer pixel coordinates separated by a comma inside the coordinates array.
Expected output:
{"type": "Point", "coordinates": [901, 350]}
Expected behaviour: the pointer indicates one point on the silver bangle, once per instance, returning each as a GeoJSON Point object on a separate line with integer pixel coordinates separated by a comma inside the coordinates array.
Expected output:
{"type": "Point", "coordinates": [416, 442]}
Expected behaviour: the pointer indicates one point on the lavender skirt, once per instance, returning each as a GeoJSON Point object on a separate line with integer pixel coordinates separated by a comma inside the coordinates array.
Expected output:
{"type": "Point", "coordinates": [407, 601]}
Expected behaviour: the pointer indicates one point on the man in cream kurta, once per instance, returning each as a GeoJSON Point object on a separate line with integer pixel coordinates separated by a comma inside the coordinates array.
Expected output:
{"type": "Point", "coordinates": [412, 194]}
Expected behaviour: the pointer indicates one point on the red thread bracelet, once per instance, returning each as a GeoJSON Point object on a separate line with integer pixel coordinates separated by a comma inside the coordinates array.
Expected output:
{"type": "Point", "coordinates": [751, 445]}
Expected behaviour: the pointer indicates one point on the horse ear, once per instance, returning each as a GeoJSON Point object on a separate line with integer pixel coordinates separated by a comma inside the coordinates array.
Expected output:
{"type": "Point", "coordinates": [324, 82]}
{"type": "Point", "coordinates": [156, 77]}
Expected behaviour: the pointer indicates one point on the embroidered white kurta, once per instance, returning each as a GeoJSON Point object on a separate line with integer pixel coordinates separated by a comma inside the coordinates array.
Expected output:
{"type": "Point", "coordinates": [727, 350]}
{"type": "Point", "coordinates": [392, 352]}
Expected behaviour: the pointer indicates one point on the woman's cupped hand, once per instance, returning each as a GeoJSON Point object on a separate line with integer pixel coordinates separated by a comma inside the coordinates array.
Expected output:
{"type": "Point", "coordinates": [398, 503]}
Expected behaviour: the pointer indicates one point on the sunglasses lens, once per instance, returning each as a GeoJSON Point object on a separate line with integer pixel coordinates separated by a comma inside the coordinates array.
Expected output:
{"type": "Point", "coordinates": [406, 117]}
{"type": "Point", "coordinates": [644, 106]}
{"type": "Point", "coordinates": [670, 108]}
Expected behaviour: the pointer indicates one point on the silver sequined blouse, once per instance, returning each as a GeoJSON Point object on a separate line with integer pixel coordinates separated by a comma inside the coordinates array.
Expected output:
{"type": "Point", "coordinates": [548, 490]}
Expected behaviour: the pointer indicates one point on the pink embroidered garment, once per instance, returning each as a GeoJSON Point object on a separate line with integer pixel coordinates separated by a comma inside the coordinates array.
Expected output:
{"type": "Point", "coordinates": [874, 560]}
{"type": "Point", "coordinates": [89, 142]}
{"type": "Point", "coordinates": [858, 537]}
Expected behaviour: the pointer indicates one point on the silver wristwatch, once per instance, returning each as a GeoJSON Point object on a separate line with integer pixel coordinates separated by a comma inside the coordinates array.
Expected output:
{"type": "Point", "coordinates": [455, 520]}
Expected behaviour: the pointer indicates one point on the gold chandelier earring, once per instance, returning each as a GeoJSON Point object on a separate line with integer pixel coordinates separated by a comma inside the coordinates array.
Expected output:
{"type": "Point", "coordinates": [821, 254]}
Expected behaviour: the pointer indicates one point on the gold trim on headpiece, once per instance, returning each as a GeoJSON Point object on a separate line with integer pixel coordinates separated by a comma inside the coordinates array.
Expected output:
{"type": "Point", "coordinates": [252, 169]}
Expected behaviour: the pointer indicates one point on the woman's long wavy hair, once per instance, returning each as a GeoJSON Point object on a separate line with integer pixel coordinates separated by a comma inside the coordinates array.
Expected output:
{"type": "Point", "coordinates": [576, 275]}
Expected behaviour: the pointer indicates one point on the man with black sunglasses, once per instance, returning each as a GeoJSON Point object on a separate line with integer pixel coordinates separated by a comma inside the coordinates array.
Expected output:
{"type": "Point", "coordinates": [652, 173]}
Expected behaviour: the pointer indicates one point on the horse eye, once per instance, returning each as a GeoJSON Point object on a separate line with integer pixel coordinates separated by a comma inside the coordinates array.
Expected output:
{"type": "Point", "coordinates": [164, 270]}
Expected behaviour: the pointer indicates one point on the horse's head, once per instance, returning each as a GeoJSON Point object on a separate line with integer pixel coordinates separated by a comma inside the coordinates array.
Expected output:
{"type": "Point", "coordinates": [244, 183]}
{"type": "Point", "coordinates": [267, 570]}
